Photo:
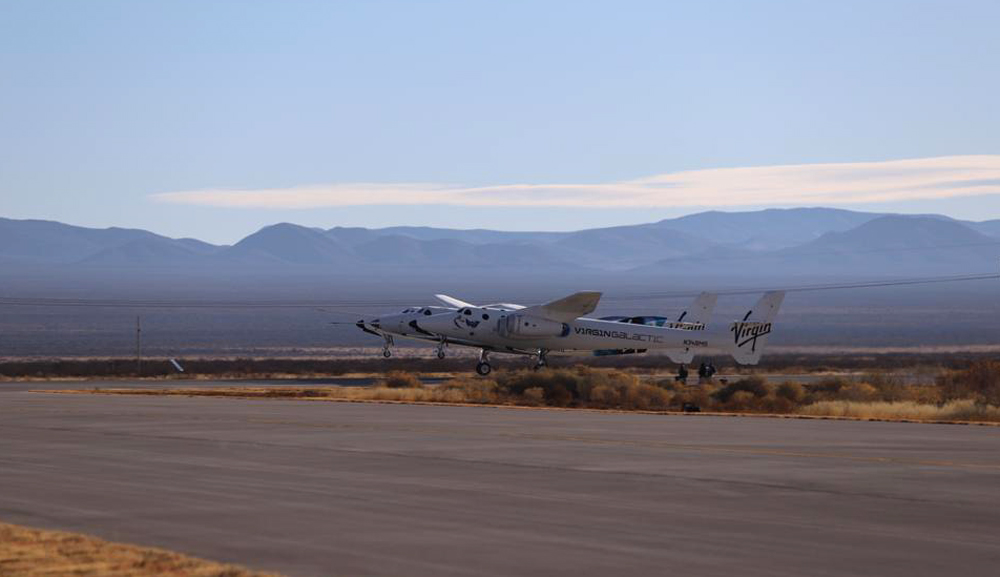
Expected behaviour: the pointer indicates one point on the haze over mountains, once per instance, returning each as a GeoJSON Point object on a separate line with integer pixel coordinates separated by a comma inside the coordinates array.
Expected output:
{"type": "Point", "coordinates": [364, 270]}
{"type": "Point", "coordinates": [774, 242]}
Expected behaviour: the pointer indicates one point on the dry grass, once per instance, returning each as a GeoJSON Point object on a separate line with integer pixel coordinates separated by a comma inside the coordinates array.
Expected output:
{"type": "Point", "coordinates": [878, 396]}
{"type": "Point", "coordinates": [440, 394]}
{"type": "Point", "coordinates": [26, 552]}
{"type": "Point", "coordinates": [400, 380]}
{"type": "Point", "coordinates": [326, 362]}
{"type": "Point", "coordinates": [954, 411]}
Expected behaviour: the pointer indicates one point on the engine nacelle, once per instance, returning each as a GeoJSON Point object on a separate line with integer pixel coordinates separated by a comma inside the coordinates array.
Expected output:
{"type": "Point", "coordinates": [527, 327]}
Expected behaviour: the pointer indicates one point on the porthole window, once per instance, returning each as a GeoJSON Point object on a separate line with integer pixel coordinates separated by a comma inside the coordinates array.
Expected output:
{"type": "Point", "coordinates": [486, 317]}
{"type": "Point", "coordinates": [467, 311]}
{"type": "Point", "coordinates": [427, 312]}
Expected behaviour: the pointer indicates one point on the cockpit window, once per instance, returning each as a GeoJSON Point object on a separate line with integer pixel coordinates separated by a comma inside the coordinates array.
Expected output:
{"type": "Point", "coordinates": [466, 312]}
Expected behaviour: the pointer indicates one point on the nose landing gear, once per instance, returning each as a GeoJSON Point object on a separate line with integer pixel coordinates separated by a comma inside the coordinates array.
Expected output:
{"type": "Point", "coordinates": [440, 349]}
{"type": "Point", "coordinates": [386, 350]}
{"type": "Point", "coordinates": [484, 368]}
{"type": "Point", "coordinates": [542, 361]}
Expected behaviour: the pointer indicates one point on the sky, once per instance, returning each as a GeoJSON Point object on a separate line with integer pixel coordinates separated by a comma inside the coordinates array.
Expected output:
{"type": "Point", "coordinates": [213, 119]}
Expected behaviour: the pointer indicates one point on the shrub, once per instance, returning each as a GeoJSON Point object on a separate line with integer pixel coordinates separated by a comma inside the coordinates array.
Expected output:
{"type": "Point", "coordinates": [533, 396]}
{"type": "Point", "coordinates": [741, 401]}
{"type": "Point", "coordinates": [754, 385]}
{"type": "Point", "coordinates": [558, 395]}
{"type": "Point", "coordinates": [858, 392]}
{"type": "Point", "coordinates": [518, 382]}
{"type": "Point", "coordinates": [791, 391]}
{"type": "Point", "coordinates": [889, 386]}
{"type": "Point", "coordinates": [564, 386]}
{"type": "Point", "coordinates": [979, 381]}
{"type": "Point", "coordinates": [605, 397]}
{"type": "Point", "coordinates": [670, 384]}
{"type": "Point", "coordinates": [829, 387]}
{"type": "Point", "coordinates": [473, 390]}
{"type": "Point", "coordinates": [400, 380]}
{"type": "Point", "coordinates": [645, 397]}
{"type": "Point", "coordinates": [700, 397]}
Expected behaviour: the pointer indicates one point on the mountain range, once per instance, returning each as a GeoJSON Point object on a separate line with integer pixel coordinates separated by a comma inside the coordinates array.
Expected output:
{"type": "Point", "coordinates": [776, 242]}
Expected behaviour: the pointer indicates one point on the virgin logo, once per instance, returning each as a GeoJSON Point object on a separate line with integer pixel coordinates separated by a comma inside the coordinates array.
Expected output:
{"type": "Point", "coordinates": [748, 332]}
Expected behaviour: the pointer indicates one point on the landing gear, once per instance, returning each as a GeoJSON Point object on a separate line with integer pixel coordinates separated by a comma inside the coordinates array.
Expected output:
{"type": "Point", "coordinates": [484, 368]}
{"type": "Point", "coordinates": [440, 349]}
{"type": "Point", "coordinates": [386, 352]}
{"type": "Point", "coordinates": [542, 361]}
{"type": "Point", "coordinates": [682, 374]}
{"type": "Point", "coordinates": [386, 348]}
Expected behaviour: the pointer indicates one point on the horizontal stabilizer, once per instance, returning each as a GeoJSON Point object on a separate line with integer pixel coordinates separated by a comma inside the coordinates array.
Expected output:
{"type": "Point", "coordinates": [568, 308]}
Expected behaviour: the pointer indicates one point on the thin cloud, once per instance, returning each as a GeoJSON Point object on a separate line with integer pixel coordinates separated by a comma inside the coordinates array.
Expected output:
{"type": "Point", "coordinates": [801, 184]}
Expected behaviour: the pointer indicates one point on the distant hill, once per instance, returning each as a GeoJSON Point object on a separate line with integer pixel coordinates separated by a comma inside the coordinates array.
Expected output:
{"type": "Point", "coordinates": [44, 241]}
{"type": "Point", "coordinates": [766, 243]}
{"type": "Point", "coordinates": [988, 227]}
{"type": "Point", "coordinates": [893, 245]}
{"type": "Point", "coordinates": [290, 244]}
{"type": "Point", "coordinates": [767, 229]}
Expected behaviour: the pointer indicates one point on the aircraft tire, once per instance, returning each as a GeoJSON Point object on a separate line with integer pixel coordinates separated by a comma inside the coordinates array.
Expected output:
{"type": "Point", "coordinates": [483, 369]}
{"type": "Point", "coordinates": [441, 354]}
{"type": "Point", "coordinates": [387, 353]}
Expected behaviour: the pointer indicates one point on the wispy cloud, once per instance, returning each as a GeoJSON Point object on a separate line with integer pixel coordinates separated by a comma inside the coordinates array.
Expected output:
{"type": "Point", "coordinates": [802, 184]}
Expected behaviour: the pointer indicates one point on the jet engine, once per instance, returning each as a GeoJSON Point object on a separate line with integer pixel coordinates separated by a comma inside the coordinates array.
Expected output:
{"type": "Point", "coordinates": [527, 327]}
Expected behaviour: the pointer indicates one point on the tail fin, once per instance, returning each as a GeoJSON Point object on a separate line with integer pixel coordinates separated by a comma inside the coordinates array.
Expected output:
{"type": "Point", "coordinates": [750, 336]}
{"type": "Point", "coordinates": [700, 310]}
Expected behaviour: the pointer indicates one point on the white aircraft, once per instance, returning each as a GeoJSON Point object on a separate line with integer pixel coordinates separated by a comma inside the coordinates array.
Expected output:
{"type": "Point", "coordinates": [561, 325]}
{"type": "Point", "coordinates": [405, 323]}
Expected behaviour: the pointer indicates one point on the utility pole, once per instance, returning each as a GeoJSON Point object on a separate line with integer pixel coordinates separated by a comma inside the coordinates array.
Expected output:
{"type": "Point", "coordinates": [138, 346]}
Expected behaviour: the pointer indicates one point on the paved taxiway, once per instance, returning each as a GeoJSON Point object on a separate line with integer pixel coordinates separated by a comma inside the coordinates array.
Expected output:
{"type": "Point", "coordinates": [320, 488]}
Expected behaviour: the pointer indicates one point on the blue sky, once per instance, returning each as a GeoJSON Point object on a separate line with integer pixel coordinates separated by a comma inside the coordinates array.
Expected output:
{"type": "Point", "coordinates": [112, 112]}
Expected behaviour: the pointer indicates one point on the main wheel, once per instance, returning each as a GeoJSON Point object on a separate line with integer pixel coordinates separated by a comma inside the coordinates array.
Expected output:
{"type": "Point", "coordinates": [440, 354]}
{"type": "Point", "coordinates": [483, 369]}
{"type": "Point", "coordinates": [386, 353]}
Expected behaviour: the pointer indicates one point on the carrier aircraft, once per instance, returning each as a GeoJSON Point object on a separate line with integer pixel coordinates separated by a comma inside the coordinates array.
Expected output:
{"type": "Point", "coordinates": [404, 324]}
{"type": "Point", "coordinates": [562, 325]}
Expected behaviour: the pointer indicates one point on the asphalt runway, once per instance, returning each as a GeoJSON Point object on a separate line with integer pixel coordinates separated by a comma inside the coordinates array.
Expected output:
{"type": "Point", "coordinates": [322, 488]}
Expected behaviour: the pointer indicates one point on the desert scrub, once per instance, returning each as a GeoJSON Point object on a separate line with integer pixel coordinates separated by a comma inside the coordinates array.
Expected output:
{"type": "Point", "coordinates": [400, 380]}
{"type": "Point", "coordinates": [790, 391]}
{"type": "Point", "coordinates": [564, 387]}
{"type": "Point", "coordinates": [32, 552]}
{"type": "Point", "coordinates": [961, 410]}
{"type": "Point", "coordinates": [474, 390]}
{"type": "Point", "coordinates": [980, 381]}
{"type": "Point", "coordinates": [532, 397]}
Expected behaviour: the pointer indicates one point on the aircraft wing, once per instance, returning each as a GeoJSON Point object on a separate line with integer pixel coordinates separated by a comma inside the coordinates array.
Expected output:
{"type": "Point", "coordinates": [568, 308]}
{"type": "Point", "coordinates": [453, 302]}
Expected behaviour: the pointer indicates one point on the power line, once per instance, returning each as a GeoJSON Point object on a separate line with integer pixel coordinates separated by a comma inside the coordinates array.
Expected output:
{"type": "Point", "coordinates": [816, 287]}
